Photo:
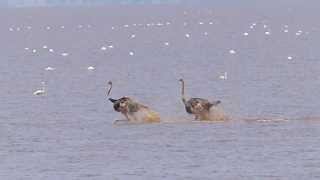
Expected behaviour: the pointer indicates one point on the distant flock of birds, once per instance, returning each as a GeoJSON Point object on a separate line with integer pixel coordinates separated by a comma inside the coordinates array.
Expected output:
{"type": "Point", "coordinates": [134, 111]}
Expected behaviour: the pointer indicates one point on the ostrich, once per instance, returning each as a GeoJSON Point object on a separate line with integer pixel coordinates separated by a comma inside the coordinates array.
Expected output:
{"type": "Point", "coordinates": [198, 106]}
{"type": "Point", "coordinates": [132, 110]}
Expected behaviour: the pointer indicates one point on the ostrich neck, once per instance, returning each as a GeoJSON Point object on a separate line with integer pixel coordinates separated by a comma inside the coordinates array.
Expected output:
{"type": "Point", "coordinates": [109, 90]}
{"type": "Point", "coordinates": [182, 92]}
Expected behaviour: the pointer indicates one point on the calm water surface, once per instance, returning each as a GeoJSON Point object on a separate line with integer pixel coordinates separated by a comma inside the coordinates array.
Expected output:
{"type": "Point", "coordinates": [68, 134]}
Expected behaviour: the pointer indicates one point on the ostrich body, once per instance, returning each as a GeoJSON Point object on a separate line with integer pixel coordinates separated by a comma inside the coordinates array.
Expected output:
{"type": "Point", "coordinates": [132, 110]}
{"type": "Point", "coordinates": [198, 106]}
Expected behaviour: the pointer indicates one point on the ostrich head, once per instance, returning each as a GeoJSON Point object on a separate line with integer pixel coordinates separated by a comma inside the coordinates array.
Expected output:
{"type": "Point", "coordinates": [124, 105]}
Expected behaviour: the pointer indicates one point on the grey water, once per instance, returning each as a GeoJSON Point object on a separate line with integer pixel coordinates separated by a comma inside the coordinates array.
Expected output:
{"type": "Point", "coordinates": [69, 133]}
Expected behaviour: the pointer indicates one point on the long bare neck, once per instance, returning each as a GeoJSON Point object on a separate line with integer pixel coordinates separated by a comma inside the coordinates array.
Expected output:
{"type": "Point", "coordinates": [109, 91]}
{"type": "Point", "coordinates": [182, 92]}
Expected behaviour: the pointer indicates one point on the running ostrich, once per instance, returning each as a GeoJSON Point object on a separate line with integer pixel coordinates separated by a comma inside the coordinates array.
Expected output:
{"type": "Point", "coordinates": [198, 106]}
{"type": "Point", "coordinates": [133, 111]}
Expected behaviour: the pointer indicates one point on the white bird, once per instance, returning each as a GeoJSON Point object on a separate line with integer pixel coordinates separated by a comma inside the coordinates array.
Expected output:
{"type": "Point", "coordinates": [64, 54]}
{"type": "Point", "coordinates": [51, 50]}
{"type": "Point", "coordinates": [91, 68]}
{"type": "Point", "coordinates": [131, 53]}
{"type": "Point", "coordinates": [245, 34]}
{"type": "Point", "coordinates": [224, 76]}
{"type": "Point", "coordinates": [286, 30]}
{"type": "Point", "coordinates": [232, 51]}
{"type": "Point", "coordinates": [49, 68]}
{"type": "Point", "coordinates": [187, 35]}
{"type": "Point", "coordinates": [103, 48]}
{"type": "Point", "coordinates": [290, 57]}
{"type": "Point", "coordinates": [41, 91]}
{"type": "Point", "coordinates": [48, 27]}
{"type": "Point", "coordinates": [44, 47]}
{"type": "Point", "coordinates": [34, 50]}
{"type": "Point", "coordinates": [267, 33]}
{"type": "Point", "coordinates": [132, 36]}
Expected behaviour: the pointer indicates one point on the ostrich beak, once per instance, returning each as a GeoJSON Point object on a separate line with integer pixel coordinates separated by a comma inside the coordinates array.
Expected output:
{"type": "Point", "coordinates": [215, 103]}
{"type": "Point", "coordinates": [113, 100]}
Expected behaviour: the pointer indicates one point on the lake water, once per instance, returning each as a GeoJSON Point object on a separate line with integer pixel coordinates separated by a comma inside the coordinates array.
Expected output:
{"type": "Point", "coordinates": [270, 92]}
